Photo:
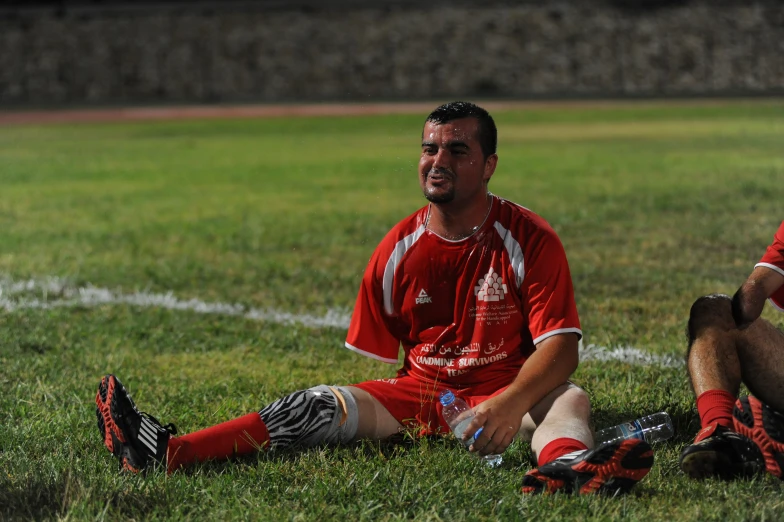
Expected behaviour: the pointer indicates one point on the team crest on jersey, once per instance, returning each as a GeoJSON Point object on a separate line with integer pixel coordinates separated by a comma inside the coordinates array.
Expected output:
{"type": "Point", "coordinates": [491, 287]}
{"type": "Point", "coordinates": [423, 298]}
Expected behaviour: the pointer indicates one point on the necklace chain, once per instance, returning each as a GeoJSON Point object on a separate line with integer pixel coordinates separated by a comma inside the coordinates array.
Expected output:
{"type": "Point", "coordinates": [473, 230]}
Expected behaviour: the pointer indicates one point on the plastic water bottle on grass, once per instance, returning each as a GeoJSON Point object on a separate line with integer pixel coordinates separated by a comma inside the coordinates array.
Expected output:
{"type": "Point", "coordinates": [651, 428]}
{"type": "Point", "coordinates": [458, 415]}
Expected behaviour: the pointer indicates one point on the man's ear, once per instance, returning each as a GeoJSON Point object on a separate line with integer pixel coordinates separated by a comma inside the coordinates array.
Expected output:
{"type": "Point", "coordinates": [490, 163]}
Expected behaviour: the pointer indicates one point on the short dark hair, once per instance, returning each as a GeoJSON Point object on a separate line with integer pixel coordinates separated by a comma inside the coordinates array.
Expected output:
{"type": "Point", "coordinates": [488, 135]}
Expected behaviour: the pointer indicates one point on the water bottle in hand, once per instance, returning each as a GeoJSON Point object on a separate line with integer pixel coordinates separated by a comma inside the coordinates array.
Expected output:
{"type": "Point", "coordinates": [651, 428]}
{"type": "Point", "coordinates": [458, 415]}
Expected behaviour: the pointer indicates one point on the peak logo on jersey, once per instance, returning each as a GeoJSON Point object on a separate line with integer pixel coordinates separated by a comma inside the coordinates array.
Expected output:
{"type": "Point", "coordinates": [423, 297]}
{"type": "Point", "coordinates": [491, 287]}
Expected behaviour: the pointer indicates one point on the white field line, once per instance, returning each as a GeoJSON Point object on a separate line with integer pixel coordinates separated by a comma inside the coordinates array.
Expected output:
{"type": "Point", "coordinates": [52, 292]}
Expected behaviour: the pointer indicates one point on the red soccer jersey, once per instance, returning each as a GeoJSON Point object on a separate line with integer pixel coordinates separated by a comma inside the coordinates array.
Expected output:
{"type": "Point", "coordinates": [468, 311]}
{"type": "Point", "coordinates": [774, 259]}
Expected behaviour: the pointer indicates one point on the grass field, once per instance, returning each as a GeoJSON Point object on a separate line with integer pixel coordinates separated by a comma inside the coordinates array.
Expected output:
{"type": "Point", "coordinates": [656, 205]}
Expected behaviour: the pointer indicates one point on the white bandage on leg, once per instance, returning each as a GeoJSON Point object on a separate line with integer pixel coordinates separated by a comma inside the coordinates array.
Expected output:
{"type": "Point", "coordinates": [306, 418]}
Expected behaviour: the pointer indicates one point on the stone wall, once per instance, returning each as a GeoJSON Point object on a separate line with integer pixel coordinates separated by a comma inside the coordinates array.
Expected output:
{"type": "Point", "coordinates": [571, 48]}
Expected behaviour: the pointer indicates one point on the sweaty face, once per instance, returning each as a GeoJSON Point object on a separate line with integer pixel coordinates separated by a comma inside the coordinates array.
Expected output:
{"type": "Point", "coordinates": [452, 166]}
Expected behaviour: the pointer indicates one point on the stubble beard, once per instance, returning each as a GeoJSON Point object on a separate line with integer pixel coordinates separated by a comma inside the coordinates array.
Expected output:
{"type": "Point", "coordinates": [443, 197]}
{"type": "Point", "coordinates": [436, 195]}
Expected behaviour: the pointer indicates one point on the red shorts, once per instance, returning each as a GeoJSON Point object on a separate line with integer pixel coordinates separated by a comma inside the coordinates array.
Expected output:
{"type": "Point", "coordinates": [415, 404]}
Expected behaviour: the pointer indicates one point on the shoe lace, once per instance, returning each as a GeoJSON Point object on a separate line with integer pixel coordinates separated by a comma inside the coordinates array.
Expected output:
{"type": "Point", "coordinates": [171, 428]}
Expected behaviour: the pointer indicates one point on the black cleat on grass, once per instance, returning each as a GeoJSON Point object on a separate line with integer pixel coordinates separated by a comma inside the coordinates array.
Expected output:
{"type": "Point", "coordinates": [765, 426]}
{"type": "Point", "coordinates": [610, 469]}
{"type": "Point", "coordinates": [136, 438]}
{"type": "Point", "coordinates": [718, 451]}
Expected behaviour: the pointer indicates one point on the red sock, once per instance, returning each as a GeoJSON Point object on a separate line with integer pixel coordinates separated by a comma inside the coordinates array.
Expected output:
{"type": "Point", "coordinates": [240, 436]}
{"type": "Point", "coordinates": [558, 447]}
{"type": "Point", "coordinates": [715, 407]}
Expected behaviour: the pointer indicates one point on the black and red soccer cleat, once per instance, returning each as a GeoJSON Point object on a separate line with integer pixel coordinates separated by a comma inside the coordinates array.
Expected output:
{"type": "Point", "coordinates": [136, 438]}
{"type": "Point", "coordinates": [610, 469]}
{"type": "Point", "coordinates": [765, 426]}
{"type": "Point", "coordinates": [718, 451]}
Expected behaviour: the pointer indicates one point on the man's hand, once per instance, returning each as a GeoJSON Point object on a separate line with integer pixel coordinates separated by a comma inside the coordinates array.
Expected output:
{"type": "Point", "coordinates": [500, 417]}
{"type": "Point", "coordinates": [749, 300]}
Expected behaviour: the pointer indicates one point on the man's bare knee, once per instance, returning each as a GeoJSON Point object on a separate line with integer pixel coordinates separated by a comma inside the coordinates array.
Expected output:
{"type": "Point", "coordinates": [579, 400]}
{"type": "Point", "coordinates": [575, 403]}
{"type": "Point", "coordinates": [567, 399]}
{"type": "Point", "coordinates": [710, 311]}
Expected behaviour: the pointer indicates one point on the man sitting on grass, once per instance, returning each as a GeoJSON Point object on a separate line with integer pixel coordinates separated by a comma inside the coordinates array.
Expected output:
{"type": "Point", "coordinates": [477, 290]}
{"type": "Point", "coordinates": [728, 344]}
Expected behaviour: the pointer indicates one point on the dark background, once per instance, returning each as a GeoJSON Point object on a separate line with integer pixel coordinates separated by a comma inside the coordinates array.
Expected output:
{"type": "Point", "coordinates": [112, 52]}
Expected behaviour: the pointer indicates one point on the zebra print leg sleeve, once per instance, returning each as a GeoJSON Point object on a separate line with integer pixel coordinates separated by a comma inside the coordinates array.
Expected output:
{"type": "Point", "coordinates": [310, 417]}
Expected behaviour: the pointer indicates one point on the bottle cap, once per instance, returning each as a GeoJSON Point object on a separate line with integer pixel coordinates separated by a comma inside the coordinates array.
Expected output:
{"type": "Point", "coordinates": [446, 397]}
